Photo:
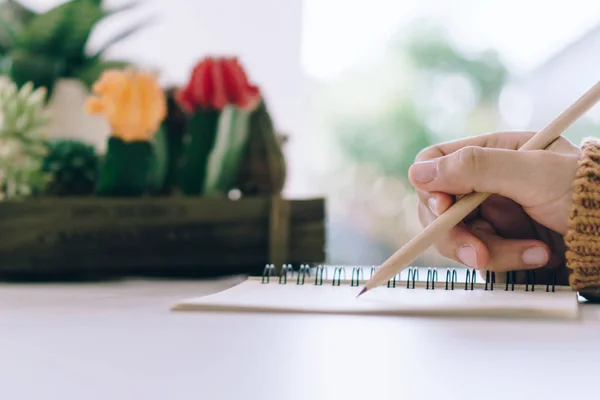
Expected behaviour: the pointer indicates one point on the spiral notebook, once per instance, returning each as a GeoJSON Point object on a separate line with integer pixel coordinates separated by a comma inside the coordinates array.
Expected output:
{"type": "Point", "coordinates": [457, 293]}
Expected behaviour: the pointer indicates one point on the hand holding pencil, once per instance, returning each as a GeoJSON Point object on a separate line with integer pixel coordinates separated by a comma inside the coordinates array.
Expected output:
{"type": "Point", "coordinates": [467, 205]}
{"type": "Point", "coordinates": [529, 188]}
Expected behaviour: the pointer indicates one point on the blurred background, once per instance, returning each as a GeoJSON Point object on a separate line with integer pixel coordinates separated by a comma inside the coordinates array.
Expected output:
{"type": "Point", "coordinates": [361, 86]}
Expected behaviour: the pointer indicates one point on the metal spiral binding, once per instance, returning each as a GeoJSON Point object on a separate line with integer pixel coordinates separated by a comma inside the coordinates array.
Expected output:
{"type": "Point", "coordinates": [319, 275]}
{"type": "Point", "coordinates": [490, 279]}
{"type": "Point", "coordinates": [432, 276]}
{"type": "Point", "coordinates": [358, 272]}
{"type": "Point", "coordinates": [529, 275]}
{"type": "Point", "coordinates": [303, 271]}
{"type": "Point", "coordinates": [414, 273]}
{"type": "Point", "coordinates": [472, 276]}
{"type": "Point", "coordinates": [411, 280]}
{"type": "Point", "coordinates": [266, 276]}
{"type": "Point", "coordinates": [511, 278]}
{"type": "Point", "coordinates": [286, 269]}
{"type": "Point", "coordinates": [553, 283]}
{"type": "Point", "coordinates": [284, 272]}
{"type": "Point", "coordinates": [338, 272]}
{"type": "Point", "coordinates": [451, 277]}
{"type": "Point", "coordinates": [392, 282]}
{"type": "Point", "coordinates": [283, 276]}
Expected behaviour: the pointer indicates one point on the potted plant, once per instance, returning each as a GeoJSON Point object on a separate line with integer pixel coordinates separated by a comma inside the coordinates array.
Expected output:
{"type": "Point", "coordinates": [68, 212]}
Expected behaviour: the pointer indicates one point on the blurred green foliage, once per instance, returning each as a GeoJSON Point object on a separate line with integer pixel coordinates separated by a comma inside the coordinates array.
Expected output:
{"type": "Point", "coordinates": [431, 51]}
{"type": "Point", "coordinates": [389, 143]}
{"type": "Point", "coordinates": [44, 47]}
{"type": "Point", "coordinates": [581, 129]}
{"type": "Point", "coordinates": [408, 121]}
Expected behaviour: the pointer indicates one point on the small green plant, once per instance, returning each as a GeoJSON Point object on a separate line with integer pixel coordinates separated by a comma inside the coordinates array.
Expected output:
{"type": "Point", "coordinates": [22, 145]}
{"type": "Point", "coordinates": [72, 167]}
{"type": "Point", "coordinates": [44, 47]}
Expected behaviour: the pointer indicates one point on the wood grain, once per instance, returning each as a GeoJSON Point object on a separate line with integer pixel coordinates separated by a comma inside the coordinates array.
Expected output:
{"type": "Point", "coordinates": [149, 234]}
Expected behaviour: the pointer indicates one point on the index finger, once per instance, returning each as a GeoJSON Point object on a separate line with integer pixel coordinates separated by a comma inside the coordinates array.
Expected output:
{"type": "Point", "coordinates": [510, 140]}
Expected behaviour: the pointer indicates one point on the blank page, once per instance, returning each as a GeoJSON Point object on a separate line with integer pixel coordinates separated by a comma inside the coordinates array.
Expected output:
{"type": "Point", "coordinates": [254, 296]}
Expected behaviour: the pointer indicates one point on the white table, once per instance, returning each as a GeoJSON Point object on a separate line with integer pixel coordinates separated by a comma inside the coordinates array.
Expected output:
{"type": "Point", "coordinates": [119, 340]}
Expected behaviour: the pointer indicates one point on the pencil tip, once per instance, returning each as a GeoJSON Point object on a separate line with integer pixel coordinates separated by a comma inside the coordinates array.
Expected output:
{"type": "Point", "coordinates": [361, 292]}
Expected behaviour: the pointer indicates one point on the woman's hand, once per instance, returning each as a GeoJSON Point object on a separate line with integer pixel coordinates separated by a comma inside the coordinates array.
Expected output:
{"type": "Point", "coordinates": [528, 188]}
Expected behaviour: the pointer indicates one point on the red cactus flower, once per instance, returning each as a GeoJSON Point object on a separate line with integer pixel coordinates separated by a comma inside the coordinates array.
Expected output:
{"type": "Point", "coordinates": [217, 82]}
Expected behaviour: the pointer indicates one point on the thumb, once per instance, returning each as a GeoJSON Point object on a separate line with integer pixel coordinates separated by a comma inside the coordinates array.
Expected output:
{"type": "Point", "coordinates": [518, 175]}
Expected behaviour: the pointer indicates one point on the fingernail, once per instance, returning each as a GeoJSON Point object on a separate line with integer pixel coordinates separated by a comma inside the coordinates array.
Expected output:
{"type": "Point", "coordinates": [425, 171]}
{"type": "Point", "coordinates": [467, 255]}
{"type": "Point", "coordinates": [535, 256]}
{"type": "Point", "coordinates": [432, 202]}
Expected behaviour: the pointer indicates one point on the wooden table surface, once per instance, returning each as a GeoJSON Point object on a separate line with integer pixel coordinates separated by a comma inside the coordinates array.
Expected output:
{"type": "Point", "coordinates": [119, 340]}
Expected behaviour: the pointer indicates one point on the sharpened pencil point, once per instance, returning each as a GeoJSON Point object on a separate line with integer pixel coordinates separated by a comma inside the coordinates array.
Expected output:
{"type": "Point", "coordinates": [361, 292]}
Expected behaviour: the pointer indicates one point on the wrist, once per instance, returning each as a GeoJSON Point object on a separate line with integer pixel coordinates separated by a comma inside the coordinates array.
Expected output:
{"type": "Point", "coordinates": [582, 239]}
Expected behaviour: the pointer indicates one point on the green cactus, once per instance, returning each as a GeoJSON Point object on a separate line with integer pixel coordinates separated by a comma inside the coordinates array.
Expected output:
{"type": "Point", "coordinates": [72, 166]}
{"type": "Point", "coordinates": [247, 154]}
{"type": "Point", "coordinates": [228, 151]}
{"type": "Point", "coordinates": [22, 145]}
{"type": "Point", "coordinates": [160, 162]}
{"type": "Point", "coordinates": [128, 168]}
{"type": "Point", "coordinates": [42, 48]}
{"type": "Point", "coordinates": [218, 98]}
{"type": "Point", "coordinates": [203, 126]}
{"type": "Point", "coordinates": [173, 131]}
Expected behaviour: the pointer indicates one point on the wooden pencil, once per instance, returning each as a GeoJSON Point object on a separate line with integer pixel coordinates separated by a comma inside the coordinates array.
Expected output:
{"type": "Point", "coordinates": [455, 214]}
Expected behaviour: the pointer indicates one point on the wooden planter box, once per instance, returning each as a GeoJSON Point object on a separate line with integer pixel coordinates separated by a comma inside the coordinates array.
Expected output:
{"type": "Point", "coordinates": [168, 237]}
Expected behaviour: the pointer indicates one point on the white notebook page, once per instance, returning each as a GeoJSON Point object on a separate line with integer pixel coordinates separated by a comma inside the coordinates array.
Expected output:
{"type": "Point", "coordinates": [254, 296]}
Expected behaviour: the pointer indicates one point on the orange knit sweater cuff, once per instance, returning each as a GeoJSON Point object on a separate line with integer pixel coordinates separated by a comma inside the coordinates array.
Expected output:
{"type": "Point", "coordinates": [582, 240]}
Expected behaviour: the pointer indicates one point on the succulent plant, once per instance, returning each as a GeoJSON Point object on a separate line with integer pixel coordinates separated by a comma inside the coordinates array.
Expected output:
{"type": "Point", "coordinates": [43, 47]}
{"type": "Point", "coordinates": [214, 85]}
{"type": "Point", "coordinates": [13, 16]}
{"type": "Point", "coordinates": [132, 165]}
{"type": "Point", "coordinates": [173, 131]}
{"type": "Point", "coordinates": [22, 145]}
{"type": "Point", "coordinates": [72, 167]}
{"type": "Point", "coordinates": [263, 168]}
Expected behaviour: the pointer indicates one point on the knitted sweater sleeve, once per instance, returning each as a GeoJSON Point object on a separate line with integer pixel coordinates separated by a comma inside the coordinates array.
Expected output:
{"type": "Point", "coordinates": [582, 241]}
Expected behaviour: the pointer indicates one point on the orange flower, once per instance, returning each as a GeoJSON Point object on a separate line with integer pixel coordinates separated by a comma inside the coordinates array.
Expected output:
{"type": "Point", "coordinates": [132, 101]}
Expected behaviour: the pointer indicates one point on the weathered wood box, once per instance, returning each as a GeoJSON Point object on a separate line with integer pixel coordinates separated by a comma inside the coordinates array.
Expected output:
{"type": "Point", "coordinates": [167, 237]}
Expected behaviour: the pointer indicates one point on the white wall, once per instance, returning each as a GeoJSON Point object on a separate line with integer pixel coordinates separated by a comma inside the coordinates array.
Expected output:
{"type": "Point", "coordinates": [566, 76]}
{"type": "Point", "coordinates": [265, 34]}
